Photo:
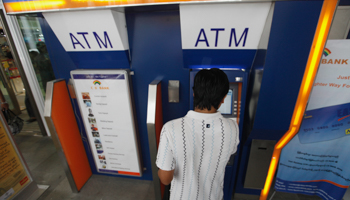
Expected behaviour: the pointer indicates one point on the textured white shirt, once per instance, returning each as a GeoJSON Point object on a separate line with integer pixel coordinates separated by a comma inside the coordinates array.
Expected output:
{"type": "Point", "coordinates": [198, 146]}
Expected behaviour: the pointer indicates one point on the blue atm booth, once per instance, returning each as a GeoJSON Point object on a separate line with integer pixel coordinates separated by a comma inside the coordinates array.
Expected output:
{"type": "Point", "coordinates": [264, 80]}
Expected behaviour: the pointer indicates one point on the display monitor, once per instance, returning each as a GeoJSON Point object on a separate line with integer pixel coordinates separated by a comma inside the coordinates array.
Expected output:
{"type": "Point", "coordinates": [226, 107]}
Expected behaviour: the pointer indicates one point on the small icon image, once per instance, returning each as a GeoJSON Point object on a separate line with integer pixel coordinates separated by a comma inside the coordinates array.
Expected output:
{"type": "Point", "coordinates": [97, 141]}
{"type": "Point", "coordinates": [101, 161]}
{"type": "Point", "coordinates": [92, 120]}
{"type": "Point", "coordinates": [104, 166]}
{"type": "Point", "coordinates": [105, 162]}
{"type": "Point", "coordinates": [97, 82]}
{"type": "Point", "coordinates": [99, 147]}
{"type": "Point", "coordinates": [87, 103]}
{"type": "Point", "coordinates": [94, 127]}
{"type": "Point", "coordinates": [326, 52]}
{"type": "Point", "coordinates": [85, 95]}
{"type": "Point", "coordinates": [102, 157]}
{"type": "Point", "coordinates": [95, 134]}
{"type": "Point", "coordinates": [90, 112]}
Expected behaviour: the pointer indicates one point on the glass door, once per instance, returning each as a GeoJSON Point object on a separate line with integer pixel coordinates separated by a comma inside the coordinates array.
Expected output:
{"type": "Point", "coordinates": [35, 43]}
{"type": "Point", "coordinates": [11, 84]}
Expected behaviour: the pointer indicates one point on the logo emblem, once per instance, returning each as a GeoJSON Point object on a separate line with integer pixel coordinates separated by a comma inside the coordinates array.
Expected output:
{"type": "Point", "coordinates": [347, 131]}
{"type": "Point", "coordinates": [97, 82]}
{"type": "Point", "coordinates": [326, 52]}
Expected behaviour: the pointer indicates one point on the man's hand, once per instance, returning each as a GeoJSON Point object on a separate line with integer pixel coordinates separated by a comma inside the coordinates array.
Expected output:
{"type": "Point", "coordinates": [166, 176]}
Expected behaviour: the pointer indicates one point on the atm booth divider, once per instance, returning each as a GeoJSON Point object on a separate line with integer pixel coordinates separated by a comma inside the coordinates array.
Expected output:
{"type": "Point", "coordinates": [154, 127]}
{"type": "Point", "coordinates": [66, 136]}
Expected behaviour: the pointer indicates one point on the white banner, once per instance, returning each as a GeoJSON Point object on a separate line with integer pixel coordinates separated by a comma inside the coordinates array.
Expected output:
{"type": "Point", "coordinates": [95, 30]}
{"type": "Point", "coordinates": [223, 26]}
{"type": "Point", "coordinates": [333, 79]}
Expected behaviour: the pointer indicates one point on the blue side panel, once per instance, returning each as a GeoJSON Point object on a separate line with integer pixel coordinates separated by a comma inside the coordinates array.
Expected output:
{"type": "Point", "coordinates": [101, 59]}
{"type": "Point", "coordinates": [61, 63]}
{"type": "Point", "coordinates": [292, 31]}
{"type": "Point", "coordinates": [238, 59]}
{"type": "Point", "coordinates": [293, 28]}
{"type": "Point", "coordinates": [155, 45]}
{"type": "Point", "coordinates": [84, 136]}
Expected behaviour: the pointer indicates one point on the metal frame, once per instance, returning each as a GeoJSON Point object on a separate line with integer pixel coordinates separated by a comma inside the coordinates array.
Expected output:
{"type": "Point", "coordinates": [23, 74]}
{"type": "Point", "coordinates": [151, 129]}
{"type": "Point", "coordinates": [55, 139]}
{"type": "Point", "coordinates": [28, 69]}
{"type": "Point", "coordinates": [146, 4]}
{"type": "Point", "coordinates": [126, 72]}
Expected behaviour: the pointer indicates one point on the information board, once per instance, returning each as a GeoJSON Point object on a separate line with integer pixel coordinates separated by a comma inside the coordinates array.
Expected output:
{"type": "Point", "coordinates": [13, 175]}
{"type": "Point", "coordinates": [315, 161]}
{"type": "Point", "coordinates": [106, 107]}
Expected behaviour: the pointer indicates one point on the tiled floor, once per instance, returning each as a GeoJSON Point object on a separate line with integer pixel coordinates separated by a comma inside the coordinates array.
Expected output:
{"type": "Point", "coordinates": [45, 166]}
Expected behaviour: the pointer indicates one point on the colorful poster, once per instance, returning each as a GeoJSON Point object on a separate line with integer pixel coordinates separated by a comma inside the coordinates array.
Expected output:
{"type": "Point", "coordinates": [106, 109]}
{"type": "Point", "coordinates": [316, 161]}
{"type": "Point", "coordinates": [13, 176]}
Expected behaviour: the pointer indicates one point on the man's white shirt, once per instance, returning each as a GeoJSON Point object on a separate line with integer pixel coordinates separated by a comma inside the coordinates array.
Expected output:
{"type": "Point", "coordinates": [198, 146]}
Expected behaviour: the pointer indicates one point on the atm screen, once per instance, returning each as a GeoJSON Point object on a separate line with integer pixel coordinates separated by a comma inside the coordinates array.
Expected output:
{"type": "Point", "coordinates": [226, 107]}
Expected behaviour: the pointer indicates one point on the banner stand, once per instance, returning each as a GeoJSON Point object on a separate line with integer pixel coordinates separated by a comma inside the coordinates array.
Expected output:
{"type": "Point", "coordinates": [18, 182]}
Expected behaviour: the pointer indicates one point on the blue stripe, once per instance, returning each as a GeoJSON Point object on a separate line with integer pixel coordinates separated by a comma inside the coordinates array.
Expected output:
{"type": "Point", "coordinates": [219, 58]}
{"type": "Point", "coordinates": [194, 155]}
{"type": "Point", "coordinates": [174, 137]}
{"type": "Point", "coordinates": [100, 59]}
{"type": "Point", "coordinates": [165, 153]}
{"type": "Point", "coordinates": [227, 156]}
{"type": "Point", "coordinates": [98, 76]}
{"type": "Point", "coordinates": [211, 154]}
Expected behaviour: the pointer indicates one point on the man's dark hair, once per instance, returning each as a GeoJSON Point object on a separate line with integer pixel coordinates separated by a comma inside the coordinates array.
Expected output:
{"type": "Point", "coordinates": [210, 87]}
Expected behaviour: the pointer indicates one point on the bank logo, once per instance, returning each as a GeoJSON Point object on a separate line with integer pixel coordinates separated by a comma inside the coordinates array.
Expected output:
{"type": "Point", "coordinates": [347, 131]}
{"type": "Point", "coordinates": [326, 52]}
{"type": "Point", "coordinates": [97, 82]}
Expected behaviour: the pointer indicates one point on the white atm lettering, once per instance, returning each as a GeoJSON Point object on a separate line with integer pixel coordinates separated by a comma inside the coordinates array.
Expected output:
{"type": "Point", "coordinates": [99, 41]}
{"type": "Point", "coordinates": [203, 38]}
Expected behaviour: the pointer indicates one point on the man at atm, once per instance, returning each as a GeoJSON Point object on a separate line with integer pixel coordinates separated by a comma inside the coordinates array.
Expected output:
{"type": "Point", "coordinates": [194, 150]}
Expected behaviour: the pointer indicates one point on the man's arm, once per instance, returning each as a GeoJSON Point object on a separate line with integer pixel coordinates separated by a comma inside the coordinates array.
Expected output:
{"type": "Point", "coordinates": [166, 176]}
